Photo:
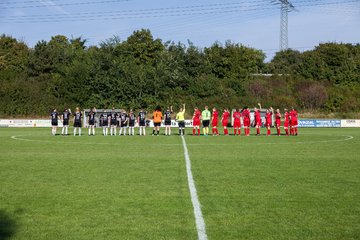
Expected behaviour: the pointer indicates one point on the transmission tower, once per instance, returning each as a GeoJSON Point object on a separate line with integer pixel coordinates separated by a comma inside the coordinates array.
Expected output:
{"type": "Point", "coordinates": [285, 8]}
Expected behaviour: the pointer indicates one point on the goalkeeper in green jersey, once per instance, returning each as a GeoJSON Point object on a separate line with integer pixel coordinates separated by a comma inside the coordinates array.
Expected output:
{"type": "Point", "coordinates": [205, 117]}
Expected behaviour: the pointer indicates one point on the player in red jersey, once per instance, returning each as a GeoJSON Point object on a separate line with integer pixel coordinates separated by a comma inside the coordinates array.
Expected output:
{"type": "Point", "coordinates": [225, 120]}
{"type": "Point", "coordinates": [268, 120]}
{"type": "Point", "coordinates": [237, 122]}
{"type": "Point", "coordinates": [214, 122]}
{"type": "Point", "coordinates": [278, 121]}
{"type": "Point", "coordinates": [196, 121]}
{"type": "Point", "coordinates": [286, 121]}
{"type": "Point", "coordinates": [257, 118]}
{"type": "Point", "coordinates": [294, 122]}
{"type": "Point", "coordinates": [246, 120]}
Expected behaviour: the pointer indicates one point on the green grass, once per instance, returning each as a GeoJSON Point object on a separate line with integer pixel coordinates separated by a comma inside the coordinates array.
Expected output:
{"type": "Point", "coordinates": [304, 187]}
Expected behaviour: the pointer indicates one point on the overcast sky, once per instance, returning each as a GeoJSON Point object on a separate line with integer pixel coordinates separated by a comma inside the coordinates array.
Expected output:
{"type": "Point", "coordinates": [254, 23]}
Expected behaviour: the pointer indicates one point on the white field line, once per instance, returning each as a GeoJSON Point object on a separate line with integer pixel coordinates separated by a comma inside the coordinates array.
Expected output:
{"type": "Point", "coordinates": [199, 220]}
{"type": "Point", "coordinates": [21, 138]}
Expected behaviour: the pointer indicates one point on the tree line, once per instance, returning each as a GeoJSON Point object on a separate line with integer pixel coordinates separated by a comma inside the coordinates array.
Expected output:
{"type": "Point", "coordinates": [143, 72]}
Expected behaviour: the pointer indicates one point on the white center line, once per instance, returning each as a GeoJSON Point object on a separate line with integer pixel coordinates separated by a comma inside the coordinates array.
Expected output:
{"type": "Point", "coordinates": [199, 220]}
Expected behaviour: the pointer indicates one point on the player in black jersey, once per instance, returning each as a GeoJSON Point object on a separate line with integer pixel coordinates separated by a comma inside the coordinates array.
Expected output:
{"type": "Point", "coordinates": [77, 121]}
{"type": "Point", "coordinates": [123, 122]}
{"type": "Point", "coordinates": [104, 122]}
{"type": "Point", "coordinates": [113, 121]}
{"type": "Point", "coordinates": [132, 119]}
{"type": "Point", "coordinates": [167, 116]}
{"type": "Point", "coordinates": [65, 119]}
{"type": "Point", "coordinates": [142, 122]}
{"type": "Point", "coordinates": [54, 121]}
{"type": "Point", "coordinates": [91, 121]}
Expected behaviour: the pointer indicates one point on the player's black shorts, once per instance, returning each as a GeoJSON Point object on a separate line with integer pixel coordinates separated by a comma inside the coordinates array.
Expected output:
{"type": "Point", "coordinates": [157, 124]}
{"type": "Point", "coordinates": [113, 122]}
{"type": "Point", "coordinates": [104, 124]}
{"type": "Point", "coordinates": [142, 123]}
{"type": "Point", "coordinates": [66, 122]}
{"type": "Point", "coordinates": [54, 123]}
{"type": "Point", "coordinates": [167, 122]}
{"type": "Point", "coordinates": [77, 124]}
{"type": "Point", "coordinates": [123, 124]}
{"type": "Point", "coordinates": [131, 123]}
{"type": "Point", "coordinates": [92, 123]}
{"type": "Point", "coordinates": [181, 124]}
{"type": "Point", "coordinates": [206, 123]}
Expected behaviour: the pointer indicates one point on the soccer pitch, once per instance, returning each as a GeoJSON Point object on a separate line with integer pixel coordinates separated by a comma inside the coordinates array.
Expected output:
{"type": "Point", "coordinates": [132, 187]}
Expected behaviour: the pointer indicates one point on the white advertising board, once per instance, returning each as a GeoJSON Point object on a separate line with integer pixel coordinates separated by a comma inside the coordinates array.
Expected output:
{"type": "Point", "coordinates": [350, 123]}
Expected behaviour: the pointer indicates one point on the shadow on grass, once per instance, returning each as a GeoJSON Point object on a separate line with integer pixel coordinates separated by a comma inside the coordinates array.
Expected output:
{"type": "Point", "coordinates": [8, 225]}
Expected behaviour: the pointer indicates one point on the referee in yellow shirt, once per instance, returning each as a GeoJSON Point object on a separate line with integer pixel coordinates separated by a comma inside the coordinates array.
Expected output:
{"type": "Point", "coordinates": [180, 118]}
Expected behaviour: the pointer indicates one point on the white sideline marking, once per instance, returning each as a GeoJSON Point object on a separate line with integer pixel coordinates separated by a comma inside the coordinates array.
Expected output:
{"type": "Point", "coordinates": [199, 220]}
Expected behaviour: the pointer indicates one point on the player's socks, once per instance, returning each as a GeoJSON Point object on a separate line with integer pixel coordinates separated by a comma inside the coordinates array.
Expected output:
{"type": "Point", "coordinates": [79, 131]}
{"type": "Point", "coordinates": [106, 131]}
{"type": "Point", "coordinates": [157, 132]}
{"type": "Point", "coordinates": [194, 131]}
{"type": "Point", "coordinates": [239, 131]}
{"type": "Point", "coordinates": [153, 132]}
{"type": "Point", "coordinates": [111, 131]}
{"type": "Point", "coordinates": [93, 131]}
{"type": "Point", "coordinates": [258, 131]}
{"type": "Point", "coordinates": [234, 131]}
{"type": "Point", "coordinates": [74, 131]}
{"type": "Point", "coordinates": [226, 131]}
{"type": "Point", "coordinates": [268, 132]}
{"type": "Point", "coordinates": [140, 131]}
{"type": "Point", "coordinates": [278, 131]}
{"type": "Point", "coordinates": [199, 132]}
{"type": "Point", "coordinates": [169, 132]}
{"type": "Point", "coordinates": [89, 131]}
{"type": "Point", "coordinates": [296, 131]}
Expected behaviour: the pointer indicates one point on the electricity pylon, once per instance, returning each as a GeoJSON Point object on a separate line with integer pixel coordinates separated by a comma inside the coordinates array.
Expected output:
{"type": "Point", "coordinates": [285, 7]}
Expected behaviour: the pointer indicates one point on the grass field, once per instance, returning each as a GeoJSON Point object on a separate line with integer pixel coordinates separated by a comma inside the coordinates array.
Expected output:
{"type": "Point", "coordinates": [304, 187]}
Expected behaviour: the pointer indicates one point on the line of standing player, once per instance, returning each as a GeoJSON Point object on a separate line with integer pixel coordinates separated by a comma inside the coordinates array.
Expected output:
{"type": "Point", "coordinates": [123, 120]}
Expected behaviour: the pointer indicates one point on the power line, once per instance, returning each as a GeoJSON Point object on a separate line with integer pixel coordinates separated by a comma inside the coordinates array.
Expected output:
{"type": "Point", "coordinates": [205, 9]}
{"type": "Point", "coordinates": [45, 4]}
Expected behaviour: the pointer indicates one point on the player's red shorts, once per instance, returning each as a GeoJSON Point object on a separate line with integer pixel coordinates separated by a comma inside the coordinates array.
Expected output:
{"type": "Point", "coordinates": [268, 124]}
{"type": "Point", "coordinates": [214, 123]}
{"type": "Point", "coordinates": [294, 122]}
{"type": "Point", "coordinates": [196, 122]}
{"type": "Point", "coordinates": [237, 124]}
{"type": "Point", "coordinates": [246, 122]}
{"type": "Point", "coordinates": [258, 123]}
{"type": "Point", "coordinates": [286, 124]}
{"type": "Point", "coordinates": [278, 123]}
{"type": "Point", "coordinates": [224, 123]}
